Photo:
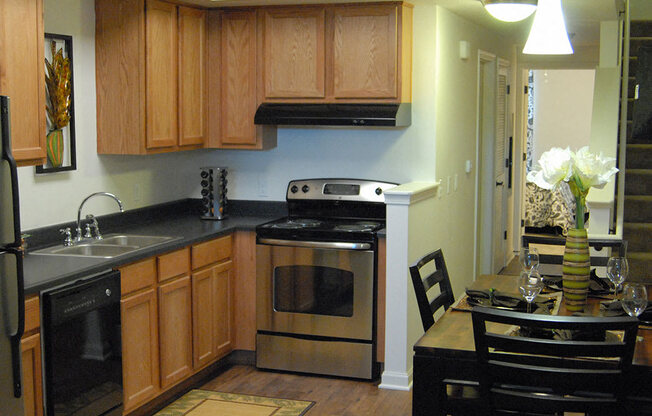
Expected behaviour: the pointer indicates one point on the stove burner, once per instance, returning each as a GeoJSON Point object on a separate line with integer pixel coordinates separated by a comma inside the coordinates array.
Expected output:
{"type": "Point", "coordinates": [358, 226]}
{"type": "Point", "coordinates": [298, 223]}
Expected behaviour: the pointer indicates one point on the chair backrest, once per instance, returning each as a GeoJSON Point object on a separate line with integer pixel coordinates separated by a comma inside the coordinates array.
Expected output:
{"type": "Point", "coordinates": [525, 373]}
{"type": "Point", "coordinates": [618, 247]}
{"type": "Point", "coordinates": [422, 285]}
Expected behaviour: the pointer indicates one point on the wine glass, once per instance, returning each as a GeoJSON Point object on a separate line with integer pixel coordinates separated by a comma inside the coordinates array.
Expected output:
{"type": "Point", "coordinates": [634, 299]}
{"type": "Point", "coordinates": [530, 285]}
{"type": "Point", "coordinates": [617, 269]}
{"type": "Point", "coordinates": [529, 258]}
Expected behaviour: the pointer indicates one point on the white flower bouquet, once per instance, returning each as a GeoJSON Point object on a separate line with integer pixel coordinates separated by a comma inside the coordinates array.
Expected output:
{"type": "Point", "coordinates": [582, 171]}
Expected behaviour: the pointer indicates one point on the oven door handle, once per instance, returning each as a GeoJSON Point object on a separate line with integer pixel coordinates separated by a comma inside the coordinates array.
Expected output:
{"type": "Point", "coordinates": [315, 244]}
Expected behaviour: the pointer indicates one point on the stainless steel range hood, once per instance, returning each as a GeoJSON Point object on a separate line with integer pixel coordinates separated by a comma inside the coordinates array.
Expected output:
{"type": "Point", "coordinates": [359, 115]}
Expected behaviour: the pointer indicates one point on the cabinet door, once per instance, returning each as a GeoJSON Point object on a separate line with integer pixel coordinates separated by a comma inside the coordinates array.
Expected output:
{"type": "Point", "coordinates": [22, 76]}
{"type": "Point", "coordinates": [293, 54]}
{"type": "Point", "coordinates": [161, 74]}
{"type": "Point", "coordinates": [212, 313]}
{"type": "Point", "coordinates": [203, 317]}
{"type": "Point", "coordinates": [223, 273]}
{"type": "Point", "coordinates": [238, 78]}
{"type": "Point", "coordinates": [175, 330]}
{"type": "Point", "coordinates": [32, 380]}
{"type": "Point", "coordinates": [364, 51]}
{"type": "Point", "coordinates": [192, 50]}
{"type": "Point", "coordinates": [140, 355]}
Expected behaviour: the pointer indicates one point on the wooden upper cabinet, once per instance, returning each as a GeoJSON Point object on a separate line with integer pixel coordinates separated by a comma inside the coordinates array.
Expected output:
{"type": "Point", "coordinates": [192, 76]}
{"type": "Point", "coordinates": [336, 53]}
{"type": "Point", "coordinates": [22, 77]}
{"type": "Point", "coordinates": [238, 75]}
{"type": "Point", "coordinates": [364, 51]}
{"type": "Point", "coordinates": [150, 76]}
{"type": "Point", "coordinates": [232, 83]}
{"type": "Point", "coordinates": [294, 52]}
{"type": "Point", "coordinates": [161, 76]}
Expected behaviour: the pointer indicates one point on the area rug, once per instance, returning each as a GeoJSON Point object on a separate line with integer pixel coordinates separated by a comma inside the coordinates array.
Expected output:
{"type": "Point", "coordinates": [212, 403]}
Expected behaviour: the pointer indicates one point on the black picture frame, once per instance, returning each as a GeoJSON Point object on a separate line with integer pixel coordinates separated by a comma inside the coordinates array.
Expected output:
{"type": "Point", "coordinates": [65, 42]}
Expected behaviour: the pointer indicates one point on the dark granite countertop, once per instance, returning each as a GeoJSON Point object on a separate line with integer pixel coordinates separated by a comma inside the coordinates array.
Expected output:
{"type": "Point", "coordinates": [178, 219]}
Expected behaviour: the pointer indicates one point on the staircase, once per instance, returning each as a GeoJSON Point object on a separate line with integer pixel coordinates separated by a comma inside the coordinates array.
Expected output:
{"type": "Point", "coordinates": [638, 170]}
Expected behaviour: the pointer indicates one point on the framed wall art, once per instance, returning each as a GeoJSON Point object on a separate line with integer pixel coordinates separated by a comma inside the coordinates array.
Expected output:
{"type": "Point", "coordinates": [60, 109]}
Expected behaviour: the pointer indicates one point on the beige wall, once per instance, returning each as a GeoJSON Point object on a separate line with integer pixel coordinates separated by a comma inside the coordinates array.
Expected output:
{"type": "Point", "coordinates": [456, 103]}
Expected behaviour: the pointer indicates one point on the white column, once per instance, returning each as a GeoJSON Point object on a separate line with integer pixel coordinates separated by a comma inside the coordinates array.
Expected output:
{"type": "Point", "coordinates": [410, 219]}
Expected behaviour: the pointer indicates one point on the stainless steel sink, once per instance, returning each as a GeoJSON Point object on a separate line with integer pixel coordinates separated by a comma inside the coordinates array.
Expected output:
{"type": "Point", "coordinates": [113, 245]}
{"type": "Point", "coordinates": [134, 240]}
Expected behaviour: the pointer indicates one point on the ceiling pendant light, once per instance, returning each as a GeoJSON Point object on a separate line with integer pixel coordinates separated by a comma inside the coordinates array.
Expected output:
{"type": "Point", "coordinates": [548, 34]}
{"type": "Point", "coordinates": [510, 10]}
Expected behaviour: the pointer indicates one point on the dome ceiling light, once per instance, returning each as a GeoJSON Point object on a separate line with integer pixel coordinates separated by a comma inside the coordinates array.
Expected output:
{"type": "Point", "coordinates": [510, 10]}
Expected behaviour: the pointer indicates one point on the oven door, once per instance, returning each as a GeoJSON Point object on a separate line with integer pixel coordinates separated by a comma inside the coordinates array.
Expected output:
{"type": "Point", "coordinates": [315, 288]}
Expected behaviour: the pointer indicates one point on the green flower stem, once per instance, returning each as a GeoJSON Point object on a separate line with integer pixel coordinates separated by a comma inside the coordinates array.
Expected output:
{"type": "Point", "coordinates": [580, 200]}
{"type": "Point", "coordinates": [579, 212]}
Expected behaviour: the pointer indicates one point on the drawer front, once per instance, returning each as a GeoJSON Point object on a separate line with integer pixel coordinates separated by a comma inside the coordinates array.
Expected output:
{"type": "Point", "coordinates": [32, 313]}
{"type": "Point", "coordinates": [211, 252]}
{"type": "Point", "coordinates": [173, 264]}
{"type": "Point", "coordinates": [137, 276]}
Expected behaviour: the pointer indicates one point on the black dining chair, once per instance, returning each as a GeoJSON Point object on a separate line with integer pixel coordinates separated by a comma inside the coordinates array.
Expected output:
{"type": "Point", "coordinates": [460, 396]}
{"type": "Point", "coordinates": [583, 368]}
{"type": "Point", "coordinates": [617, 247]}
{"type": "Point", "coordinates": [427, 272]}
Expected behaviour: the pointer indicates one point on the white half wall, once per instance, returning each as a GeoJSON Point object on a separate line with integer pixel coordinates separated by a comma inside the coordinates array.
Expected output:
{"type": "Point", "coordinates": [411, 232]}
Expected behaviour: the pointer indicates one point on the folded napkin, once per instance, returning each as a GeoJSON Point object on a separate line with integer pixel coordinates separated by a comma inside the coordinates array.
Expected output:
{"type": "Point", "coordinates": [495, 299]}
{"type": "Point", "coordinates": [615, 308]}
{"type": "Point", "coordinates": [597, 285]}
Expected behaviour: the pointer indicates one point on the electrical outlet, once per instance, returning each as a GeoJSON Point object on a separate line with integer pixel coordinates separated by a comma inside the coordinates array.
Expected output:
{"type": "Point", "coordinates": [137, 192]}
{"type": "Point", "coordinates": [455, 182]}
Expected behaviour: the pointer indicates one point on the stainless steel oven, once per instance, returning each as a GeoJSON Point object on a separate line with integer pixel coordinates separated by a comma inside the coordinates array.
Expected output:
{"type": "Point", "coordinates": [316, 281]}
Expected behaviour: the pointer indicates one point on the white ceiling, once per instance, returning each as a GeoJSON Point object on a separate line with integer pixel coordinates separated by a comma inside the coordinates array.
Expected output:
{"type": "Point", "coordinates": [582, 16]}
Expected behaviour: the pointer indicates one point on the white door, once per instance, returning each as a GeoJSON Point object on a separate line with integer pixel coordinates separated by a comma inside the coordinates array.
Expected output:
{"type": "Point", "coordinates": [499, 228]}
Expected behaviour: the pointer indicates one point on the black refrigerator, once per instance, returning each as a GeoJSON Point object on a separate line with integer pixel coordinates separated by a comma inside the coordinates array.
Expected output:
{"type": "Point", "coordinates": [12, 302]}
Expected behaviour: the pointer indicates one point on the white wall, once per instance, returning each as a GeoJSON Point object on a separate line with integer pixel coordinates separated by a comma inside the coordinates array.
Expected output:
{"type": "Point", "coordinates": [563, 105]}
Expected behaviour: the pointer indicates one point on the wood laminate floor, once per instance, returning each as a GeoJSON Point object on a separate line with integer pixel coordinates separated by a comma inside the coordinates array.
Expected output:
{"type": "Point", "coordinates": [333, 396]}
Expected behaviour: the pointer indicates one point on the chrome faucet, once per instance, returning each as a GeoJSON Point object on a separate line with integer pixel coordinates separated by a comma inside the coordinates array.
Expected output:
{"type": "Point", "coordinates": [78, 236]}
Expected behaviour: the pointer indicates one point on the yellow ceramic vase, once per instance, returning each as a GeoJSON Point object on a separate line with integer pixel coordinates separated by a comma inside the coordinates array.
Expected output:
{"type": "Point", "coordinates": [576, 269]}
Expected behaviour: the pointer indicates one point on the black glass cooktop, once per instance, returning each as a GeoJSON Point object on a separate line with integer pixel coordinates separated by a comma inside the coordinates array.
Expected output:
{"type": "Point", "coordinates": [320, 229]}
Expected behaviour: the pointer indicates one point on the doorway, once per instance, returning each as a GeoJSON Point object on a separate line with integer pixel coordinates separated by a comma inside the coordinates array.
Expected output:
{"type": "Point", "coordinates": [558, 113]}
{"type": "Point", "coordinates": [493, 126]}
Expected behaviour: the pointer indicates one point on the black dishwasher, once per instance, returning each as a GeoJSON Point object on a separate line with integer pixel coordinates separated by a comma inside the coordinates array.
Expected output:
{"type": "Point", "coordinates": [82, 349]}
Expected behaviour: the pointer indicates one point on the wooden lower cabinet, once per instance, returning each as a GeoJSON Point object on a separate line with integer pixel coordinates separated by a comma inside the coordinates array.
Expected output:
{"type": "Point", "coordinates": [32, 381]}
{"type": "Point", "coordinates": [212, 313]}
{"type": "Point", "coordinates": [175, 330]}
{"type": "Point", "coordinates": [177, 313]}
{"type": "Point", "coordinates": [140, 351]}
{"type": "Point", "coordinates": [30, 347]}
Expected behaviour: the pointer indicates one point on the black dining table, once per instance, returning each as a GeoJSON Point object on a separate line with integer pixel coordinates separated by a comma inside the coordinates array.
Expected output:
{"type": "Point", "coordinates": [447, 350]}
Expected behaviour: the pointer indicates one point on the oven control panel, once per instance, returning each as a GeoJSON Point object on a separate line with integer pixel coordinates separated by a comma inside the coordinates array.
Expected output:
{"type": "Point", "coordinates": [338, 189]}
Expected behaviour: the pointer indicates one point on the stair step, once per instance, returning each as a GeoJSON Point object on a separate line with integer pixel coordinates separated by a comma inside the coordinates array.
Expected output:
{"type": "Point", "coordinates": [640, 267]}
{"type": "Point", "coordinates": [633, 67]}
{"type": "Point", "coordinates": [638, 182]}
{"type": "Point", "coordinates": [639, 156]}
{"type": "Point", "coordinates": [637, 235]}
{"type": "Point", "coordinates": [639, 28]}
{"type": "Point", "coordinates": [638, 208]}
{"type": "Point", "coordinates": [636, 43]}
